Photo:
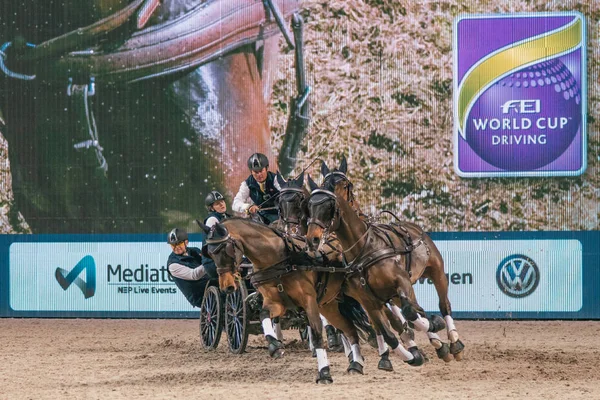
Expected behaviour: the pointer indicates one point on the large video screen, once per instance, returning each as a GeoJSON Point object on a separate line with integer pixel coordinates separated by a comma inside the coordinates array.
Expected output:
{"type": "Point", "coordinates": [116, 120]}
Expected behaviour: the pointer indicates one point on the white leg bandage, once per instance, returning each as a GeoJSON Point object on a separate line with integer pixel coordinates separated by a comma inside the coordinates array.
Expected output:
{"type": "Point", "coordinates": [356, 355]}
{"type": "Point", "coordinates": [268, 330]}
{"type": "Point", "coordinates": [407, 340]}
{"type": "Point", "coordinates": [381, 345]}
{"type": "Point", "coordinates": [310, 342]}
{"type": "Point", "coordinates": [346, 343]}
{"type": "Point", "coordinates": [322, 359]}
{"type": "Point", "coordinates": [404, 354]}
{"type": "Point", "coordinates": [397, 312]}
{"type": "Point", "coordinates": [277, 329]}
{"type": "Point", "coordinates": [324, 321]}
{"type": "Point", "coordinates": [421, 324]}
{"type": "Point", "coordinates": [451, 329]}
{"type": "Point", "coordinates": [449, 324]}
{"type": "Point", "coordinates": [434, 339]}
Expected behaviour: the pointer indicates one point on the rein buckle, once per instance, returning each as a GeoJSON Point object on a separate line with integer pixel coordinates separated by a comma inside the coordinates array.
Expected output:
{"type": "Point", "coordinates": [280, 288]}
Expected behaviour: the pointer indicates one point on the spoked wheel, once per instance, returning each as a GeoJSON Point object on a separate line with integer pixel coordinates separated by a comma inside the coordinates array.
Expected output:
{"type": "Point", "coordinates": [236, 319]}
{"type": "Point", "coordinates": [211, 318]}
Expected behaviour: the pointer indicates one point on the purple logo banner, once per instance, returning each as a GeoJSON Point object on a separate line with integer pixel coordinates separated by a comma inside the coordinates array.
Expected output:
{"type": "Point", "coordinates": [520, 95]}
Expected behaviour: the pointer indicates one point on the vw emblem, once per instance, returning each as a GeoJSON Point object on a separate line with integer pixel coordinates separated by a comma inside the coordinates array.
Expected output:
{"type": "Point", "coordinates": [518, 276]}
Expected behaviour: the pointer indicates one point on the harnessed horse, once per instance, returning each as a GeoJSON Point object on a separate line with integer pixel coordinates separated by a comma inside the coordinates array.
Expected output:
{"type": "Point", "coordinates": [384, 259]}
{"type": "Point", "coordinates": [286, 278]}
{"type": "Point", "coordinates": [138, 102]}
{"type": "Point", "coordinates": [293, 213]}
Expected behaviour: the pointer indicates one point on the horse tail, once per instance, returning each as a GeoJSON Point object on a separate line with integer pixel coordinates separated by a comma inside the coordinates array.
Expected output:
{"type": "Point", "coordinates": [352, 310]}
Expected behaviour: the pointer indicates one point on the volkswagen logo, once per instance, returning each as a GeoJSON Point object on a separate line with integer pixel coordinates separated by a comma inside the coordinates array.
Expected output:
{"type": "Point", "coordinates": [518, 276]}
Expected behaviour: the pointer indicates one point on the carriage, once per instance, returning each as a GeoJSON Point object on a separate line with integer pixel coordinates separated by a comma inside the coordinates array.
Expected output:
{"type": "Point", "coordinates": [237, 314]}
{"type": "Point", "coordinates": [229, 311]}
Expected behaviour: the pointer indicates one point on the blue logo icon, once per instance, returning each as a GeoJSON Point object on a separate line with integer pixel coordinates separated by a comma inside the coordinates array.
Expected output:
{"type": "Point", "coordinates": [66, 278]}
{"type": "Point", "coordinates": [518, 276]}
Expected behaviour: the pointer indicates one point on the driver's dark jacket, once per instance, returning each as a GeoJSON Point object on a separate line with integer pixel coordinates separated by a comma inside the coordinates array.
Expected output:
{"type": "Point", "coordinates": [266, 199]}
{"type": "Point", "coordinates": [192, 290]}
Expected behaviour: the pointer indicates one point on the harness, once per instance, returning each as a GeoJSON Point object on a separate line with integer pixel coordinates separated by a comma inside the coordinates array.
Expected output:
{"type": "Point", "coordinates": [374, 234]}
{"type": "Point", "coordinates": [295, 260]}
{"type": "Point", "coordinates": [86, 56]}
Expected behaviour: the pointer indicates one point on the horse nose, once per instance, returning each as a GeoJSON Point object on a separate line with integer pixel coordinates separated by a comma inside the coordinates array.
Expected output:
{"type": "Point", "coordinates": [230, 289]}
{"type": "Point", "coordinates": [315, 242]}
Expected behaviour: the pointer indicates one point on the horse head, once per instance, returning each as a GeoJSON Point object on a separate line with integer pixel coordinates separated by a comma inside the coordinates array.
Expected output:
{"type": "Point", "coordinates": [226, 254]}
{"type": "Point", "coordinates": [323, 213]}
{"type": "Point", "coordinates": [292, 203]}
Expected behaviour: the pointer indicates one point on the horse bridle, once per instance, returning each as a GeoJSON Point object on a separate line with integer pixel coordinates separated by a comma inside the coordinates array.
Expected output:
{"type": "Point", "coordinates": [230, 245]}
{"type": "Point", "coordinates": [329, 194]}
{"type": "Point", "coordinates": [291, 219]}
{"type": "Point", "coordinates": [335, 220]}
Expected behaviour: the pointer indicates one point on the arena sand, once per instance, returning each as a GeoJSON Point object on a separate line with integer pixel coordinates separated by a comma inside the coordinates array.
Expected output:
{"type": "Point", "coordinates": [125, 359]}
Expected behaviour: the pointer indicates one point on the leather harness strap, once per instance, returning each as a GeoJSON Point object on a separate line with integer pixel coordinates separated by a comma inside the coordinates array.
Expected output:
{"type": "Point", "coordinates": [83, 36]}
{"type": "Point", "coordinates": [206, 32]}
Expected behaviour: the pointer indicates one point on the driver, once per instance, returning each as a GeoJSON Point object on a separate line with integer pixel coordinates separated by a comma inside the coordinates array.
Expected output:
{"type": "Point", "coordinates": [259, 189]}
{"type": "Point", "coordinates": [185, 267]}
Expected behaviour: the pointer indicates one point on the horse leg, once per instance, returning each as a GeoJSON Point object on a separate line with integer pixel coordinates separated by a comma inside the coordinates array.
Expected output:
{"type": "Point", "coordinates": [386, 337]}
{"type": "Point", "coordinates": [316, 337]}
{"type": "Point", "coordinates": [277, 329]}
{"type": "Point", "coordinates": [436, 273]}
{"type": "Point", "coordinates": [407, 335]}
{"type": "Point", "coordinates": [333, 342]}
{"type": "Point", "coordinates": [413, 311]}
{"type": "Point", "coordinates": [271, 309]}
{"type": "Point", "coordinates": [350, 334]}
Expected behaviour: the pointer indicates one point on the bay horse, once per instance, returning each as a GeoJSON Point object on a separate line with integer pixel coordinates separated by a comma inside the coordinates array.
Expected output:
{"type": "Point", "coordinates": [385, 259]}
{"type": "Point", "coordinates": [284, 283]}
{"type": "Point", "coordinates": [166, 139]}
{"type": "Point", "coordinates": [293, 218]}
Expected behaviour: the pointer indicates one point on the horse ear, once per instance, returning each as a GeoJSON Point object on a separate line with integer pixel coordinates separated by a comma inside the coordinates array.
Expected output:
{"type": "Point", "coordinates": [311, 184]}
{"type": "Point", "coordinates": [344, 165]}
{"type": "Point", "coordinates": [220, 230]}
{"type": "Point", "coordinates": [324, 169]}
{"type": "Point", "coordinates": [204, 228]}
{"type": "Point", "coordinates": [300, 179]}
{"type": "Point", "coordinates": [280, 180]}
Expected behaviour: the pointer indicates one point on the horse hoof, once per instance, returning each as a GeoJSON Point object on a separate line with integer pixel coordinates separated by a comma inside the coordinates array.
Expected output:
{"type": "Point", "coordinates": [443, 352]}
{"type": "Point", "coordinates": [417, 361]}
{"type": "Point", "coordinates": [385, 365]}
{"type": "Point", "coordinates": [334, 343]}
{"type": "Point", "coordinates": [418, 353]}
{"type": "Point", "coordinates": [456, 349]}
{"type": "Point", "coordinates": [337, 349]}
{"type": "Point", "coordinates": [436, 323]}
{"type": "Point", "coordinates": [324, 376]}
{"type": "Point", "coordinates": [314, 353]}
{"type": "Point", "coordinates": [355, 368]}
{"type": "Point", "coordinates": [278, 353]}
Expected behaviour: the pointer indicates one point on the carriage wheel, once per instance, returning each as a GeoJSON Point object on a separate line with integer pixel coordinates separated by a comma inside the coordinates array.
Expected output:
{"type": "Point", "coordinates": [236, 319]}
{"type": "Point", "coordinates": [211, 318]}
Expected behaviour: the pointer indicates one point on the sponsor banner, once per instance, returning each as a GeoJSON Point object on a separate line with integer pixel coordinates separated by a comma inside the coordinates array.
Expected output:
{"type": "Point", "coordinates": [520, 94]}
{"type": "Point", "coordinates": [104, 276]}
{"type": "Point", "coordinates": [491, 275]}
{"type": "Point", "coordinates": [509, 276]}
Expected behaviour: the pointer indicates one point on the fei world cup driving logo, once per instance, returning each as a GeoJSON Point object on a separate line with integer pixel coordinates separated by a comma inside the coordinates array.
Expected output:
{"type": "Point", "coordinates": [520, 95]}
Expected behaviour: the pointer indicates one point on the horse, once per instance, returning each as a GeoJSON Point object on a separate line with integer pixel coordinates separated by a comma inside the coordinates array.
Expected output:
{"type": "Point", "coordinates": [284, 281]}
{"type": "Point", "coordinates": [293, 218]}
{"type": "Point", "coordinates": [385, 259]}
{"type": "Point", "coordinates": [179, 130]}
